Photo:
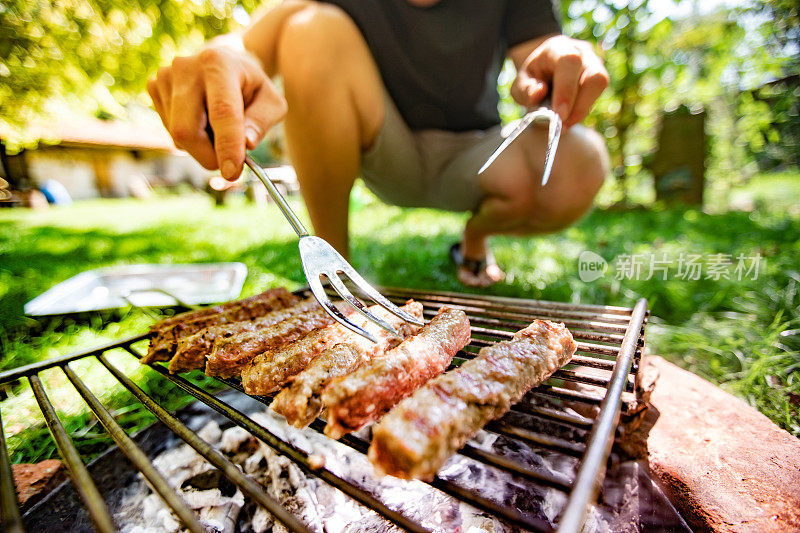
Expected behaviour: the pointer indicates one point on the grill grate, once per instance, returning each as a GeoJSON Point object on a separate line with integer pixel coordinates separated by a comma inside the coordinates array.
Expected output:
{"type": "Point", "coordinates": [606, 366]}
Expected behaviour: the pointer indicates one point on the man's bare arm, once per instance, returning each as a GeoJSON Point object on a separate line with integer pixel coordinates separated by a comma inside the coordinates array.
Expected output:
{"type": "Point", "coordinates": [568, 68]}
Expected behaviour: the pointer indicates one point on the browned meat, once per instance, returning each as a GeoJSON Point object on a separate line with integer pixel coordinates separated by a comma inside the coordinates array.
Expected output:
{"type": "Point", "coordinates": [230, 355]}
{"type": "Point", "coordinates": [192, 350]}
{"type": "Point", "coordinates": [167, 332]}
{"type": "Point", "coordinates": [270, 370]}
{"type": "Point", "coordinates": [417, 436]}
{"type": "Point", "coordinates": [364, 395]}
{"type": "Point", "coordinates": [300, 402]}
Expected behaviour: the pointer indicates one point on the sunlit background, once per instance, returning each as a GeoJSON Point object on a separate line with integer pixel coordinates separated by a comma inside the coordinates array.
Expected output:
{"type": "Point", "coordinates": [63, 63]}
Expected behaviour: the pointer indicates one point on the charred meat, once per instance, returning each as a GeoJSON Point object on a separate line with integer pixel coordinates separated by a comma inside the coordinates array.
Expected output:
{"type": "Point", "coordinates": [192, 350]}
{"type": "Point", "coordinates": [364, 395]}
{"type": "Point", "coordinates": [165, 334]}
{"type": "Point", "coordinates": [230, 355]}
{"type": "Point", "coordinates": [422, 431]}
{"type": "Point", "coordinates": [270, 370]}
{"type": "Point", "coordinates": [300, 402]}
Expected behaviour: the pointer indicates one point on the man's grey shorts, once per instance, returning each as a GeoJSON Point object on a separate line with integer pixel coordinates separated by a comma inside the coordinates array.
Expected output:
{"type": "Point", "coordinates": [428, 168]}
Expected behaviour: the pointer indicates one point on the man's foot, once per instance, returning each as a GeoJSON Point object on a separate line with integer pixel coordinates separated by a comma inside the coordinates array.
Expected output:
{"type": "Point", "coordinates": [476, 272]}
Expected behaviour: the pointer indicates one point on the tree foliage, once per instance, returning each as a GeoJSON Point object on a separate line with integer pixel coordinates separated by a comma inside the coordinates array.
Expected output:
{"type": "Point", "coordinates": [716, 61]}
{"type": "Point", "coordinates": [780, 34]}
{"type": "Point", "coordinates": [97, 51]}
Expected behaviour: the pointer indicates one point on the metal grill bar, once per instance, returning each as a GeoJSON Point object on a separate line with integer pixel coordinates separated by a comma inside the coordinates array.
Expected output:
{"type": "Point", "coordinates": [498, 302]}
{"type": "Point", "coordinates": [503, 317]}
{"type": "Point", "coordinates": [485, 504]}
{"type": "Point", "coordinates": [508, 465]}
{"type": "Point", "coordinates": [609, 351]}
{"type": "Point", "coordinates": [571, 324]}
{"type": "Point", "coordinates": [602, 437]}
{"type": "Point", "coordinates": [546, 441]}
{"type": "Point", "coordinates": [15, 374]}
{"type": "Point", "coordinates": [298, 456]}
{"type": "Point", "coordinates": [231, 471]}
{"type": "Point", "coordinates": [573, 419]}
{"type": "Point", "coordinates": [571, 375]}
{"type": "Point", "coordinates": [84, 485]}
{"type": "Point", "coordinates": [11, 520]}
{"type": "Point", "coordinates": [135, 454]}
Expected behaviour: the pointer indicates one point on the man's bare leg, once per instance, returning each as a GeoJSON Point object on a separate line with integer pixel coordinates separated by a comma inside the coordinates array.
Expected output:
{"type": "Point", "coordinates": [335, 110]}
{"type": "Point", "coordinates": [517, 204]}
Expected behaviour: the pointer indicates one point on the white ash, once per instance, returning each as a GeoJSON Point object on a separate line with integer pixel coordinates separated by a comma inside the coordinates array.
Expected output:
{"type": "Point", "coordinates": [317, 504]}
{"type": "Point", "coordinates": [323, 508]}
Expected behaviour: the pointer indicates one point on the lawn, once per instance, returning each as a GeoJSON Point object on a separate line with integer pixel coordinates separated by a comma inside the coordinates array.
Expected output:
{"type": "Point", "coordinates": [741, 333]}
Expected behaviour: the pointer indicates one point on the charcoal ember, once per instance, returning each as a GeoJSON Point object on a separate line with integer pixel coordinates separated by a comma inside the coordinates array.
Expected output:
{"type": "Point", "coordinates": [232, 439]}
{"type": "Point", "coordinates": [262, 520]}
{"type": "Point", "coordinates": [210, 479]}
{"type": "Point", "coordinates": [210, 432]}
{"type": "Point", "coordinates": [155, 517]}
{"type": "Point", "coordinates": [222, 518]}
{"type": "Point", "coordinates": [255, 462]}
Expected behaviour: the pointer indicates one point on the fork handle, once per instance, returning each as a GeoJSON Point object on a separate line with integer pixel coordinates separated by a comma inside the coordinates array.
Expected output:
{"type": "Point", "coordinates": [273, 191]}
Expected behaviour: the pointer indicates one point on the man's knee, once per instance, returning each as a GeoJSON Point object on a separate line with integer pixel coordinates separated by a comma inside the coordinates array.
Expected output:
{"type": "Point", "coordinates": [328, 70]}
{"type": "Point", "coordinates": [579, 171]}
{"type": "Point", "coordinates": [311, 40]}
{"type": "Point", "coordinates": [591, 159]}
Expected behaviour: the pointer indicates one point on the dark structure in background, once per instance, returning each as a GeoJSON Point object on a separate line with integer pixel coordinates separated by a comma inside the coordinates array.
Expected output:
{"type": "Point", "coordinates": [679, 164]}
{"type": "Point", "coordinates": [100, 158]}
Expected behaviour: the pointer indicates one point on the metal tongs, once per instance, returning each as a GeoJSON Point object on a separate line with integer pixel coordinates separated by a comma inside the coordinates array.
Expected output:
{"type": "Point", "coordinates": [537, 115]}
{"type": "Point", "coordinates": [320, 259]}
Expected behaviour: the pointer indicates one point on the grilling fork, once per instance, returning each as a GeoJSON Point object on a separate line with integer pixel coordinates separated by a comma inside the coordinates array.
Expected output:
{"type": "Point", "coordinates": [542, 114]}
{"type": "Point", "coordinates": [320, 259]}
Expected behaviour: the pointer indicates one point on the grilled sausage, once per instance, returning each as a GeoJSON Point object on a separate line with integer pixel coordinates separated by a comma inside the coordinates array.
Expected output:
{"type": "Point", "coordinates": [230, 355]}
{"type": "Point", "coordinates": [166, 333]}
{"type": "Point", "coordinates": [364, 395]}
{"type": "Point", "coordinates": [422, 431]}
{"type": "Point", "coordinates": [301, 403]}
{"type": "Point", "coordinates": [192, 350]}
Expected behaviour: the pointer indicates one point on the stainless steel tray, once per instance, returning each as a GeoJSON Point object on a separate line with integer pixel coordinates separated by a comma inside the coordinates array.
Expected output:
{"type": "Point", "coordinates": [143, 286]}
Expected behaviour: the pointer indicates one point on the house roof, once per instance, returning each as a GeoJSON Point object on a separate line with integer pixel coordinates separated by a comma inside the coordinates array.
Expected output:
{"type": "Point", "coordinates": [106, 133]}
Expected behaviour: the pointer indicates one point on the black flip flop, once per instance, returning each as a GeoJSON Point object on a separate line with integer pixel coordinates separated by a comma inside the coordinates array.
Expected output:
{"type": "Point", "coordinates": [476, 266]}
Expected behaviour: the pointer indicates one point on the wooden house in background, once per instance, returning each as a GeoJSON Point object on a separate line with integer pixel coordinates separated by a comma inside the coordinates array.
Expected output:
{"type": "Point", "coordinates": [101, 158]}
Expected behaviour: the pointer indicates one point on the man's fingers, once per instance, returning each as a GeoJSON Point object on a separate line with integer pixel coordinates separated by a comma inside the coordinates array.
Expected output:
{"type": "Point", "coordinates": [566, 78]}
{"type": "Point", "coordinates": [187, 127]}
{"type": "Point", "coordinates": [528, 91]}
{"type": "Point", "coordinates": [162, 89]}
{"type": "Point", "coordinates": [593, 83]}
{"type": "Point", "coordinates": [152, 90]}
{"type": "Point", "coordinates": [265, 108]}
{"type": "Point", "coordinates": [225, 106]}
{"type": "Point", "coordinates": [201, 100]}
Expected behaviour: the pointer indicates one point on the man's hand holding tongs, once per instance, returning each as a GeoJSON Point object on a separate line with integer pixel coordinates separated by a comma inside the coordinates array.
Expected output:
{"type": "Point", "coordinates": [568, 69]}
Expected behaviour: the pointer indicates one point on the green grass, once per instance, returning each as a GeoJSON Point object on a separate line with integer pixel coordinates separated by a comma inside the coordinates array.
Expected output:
{"type": "Point", "coordinates": [744, 335]}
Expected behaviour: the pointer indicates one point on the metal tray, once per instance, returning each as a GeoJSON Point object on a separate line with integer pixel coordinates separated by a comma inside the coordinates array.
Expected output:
{"type": "Point", "coordinates": [142, 286]}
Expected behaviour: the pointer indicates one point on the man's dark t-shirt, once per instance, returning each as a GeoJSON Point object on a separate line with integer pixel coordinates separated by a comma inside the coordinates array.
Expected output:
{"type": "Point", "coordinates": [440, 63]}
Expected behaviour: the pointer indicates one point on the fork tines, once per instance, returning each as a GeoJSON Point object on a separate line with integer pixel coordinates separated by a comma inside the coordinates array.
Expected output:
{"type": "Point", "coordinates": [334, 264]}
